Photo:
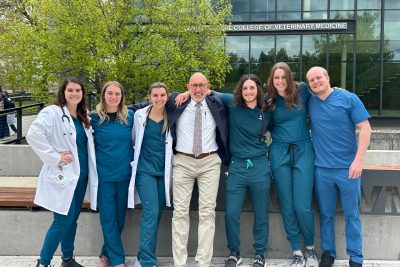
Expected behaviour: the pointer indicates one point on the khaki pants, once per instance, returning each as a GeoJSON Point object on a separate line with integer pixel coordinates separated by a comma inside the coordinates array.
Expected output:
{"type": "Point", "coordinates": [185, 171]}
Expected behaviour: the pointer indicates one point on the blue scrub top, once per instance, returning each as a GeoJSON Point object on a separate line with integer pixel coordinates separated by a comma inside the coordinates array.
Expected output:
{"type": "Point", "coordinates": [114, 148]}
{"type": "Point", "coordinates": [333, 127]}
{"type": "Point", "coordinates": [152, 152]}
{"type": "Point", "coordinates": [290, 125]}
{"type": "Point", "coordinates": [81, 143]}
{"type": "Point", "coordinates": [246, 127]}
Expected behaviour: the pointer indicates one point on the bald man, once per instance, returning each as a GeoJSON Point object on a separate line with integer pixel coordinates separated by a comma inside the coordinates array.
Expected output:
{"type": "Point", "coordinates": [199, 128]}
{"type": "Point", "coordinates": [335, 114]}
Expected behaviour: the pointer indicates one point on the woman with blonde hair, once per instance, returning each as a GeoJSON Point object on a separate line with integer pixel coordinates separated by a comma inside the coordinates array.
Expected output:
{"type": "Point", "coordinates": [112, 124]}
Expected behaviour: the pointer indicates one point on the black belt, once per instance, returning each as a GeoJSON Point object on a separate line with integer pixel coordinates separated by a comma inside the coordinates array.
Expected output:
{"type": "Point", "coordinates": [200, 156]}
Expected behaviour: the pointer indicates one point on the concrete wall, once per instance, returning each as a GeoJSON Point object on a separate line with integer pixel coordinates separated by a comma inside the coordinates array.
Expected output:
{"type": "Point", "coordinates": [22, 233]}
{"type": "Point", "coordinates": [20, 160]}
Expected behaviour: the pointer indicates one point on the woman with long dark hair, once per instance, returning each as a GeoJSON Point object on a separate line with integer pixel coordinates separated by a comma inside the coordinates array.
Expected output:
{"type": "Point", "coordinates": [291, 154]}
{"type": "Point", "coordinates": [61, 136]}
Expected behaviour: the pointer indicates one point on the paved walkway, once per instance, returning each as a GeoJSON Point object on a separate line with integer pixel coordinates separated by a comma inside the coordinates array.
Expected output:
{"type": "Point", "coordinates": [29, 261]}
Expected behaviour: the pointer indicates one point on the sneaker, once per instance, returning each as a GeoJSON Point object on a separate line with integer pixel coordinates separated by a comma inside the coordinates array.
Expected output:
{"type": "Point", "coordinates": [5, 138]}
{"type": "Point", "coordinates": [70, 263]}
{"type": "Point", "coordinates": [326, 260]}
{"type": "Point", "coordinates": [233, 260]}
{"type": "Point", "coordinates": [38, 263]}
{"type": "Point", "coordinates": [259, 261]}
{"type": "Point", "coordinates": [103, 262]}
{"type": "Point", "coordinates": [354, 264]}
{"type": "Point", "coordinates": [298, 261]}
{"type": "Point", "coordinates": [311, 258]}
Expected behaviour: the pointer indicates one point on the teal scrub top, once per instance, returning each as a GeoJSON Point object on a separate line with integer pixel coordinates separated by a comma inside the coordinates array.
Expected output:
{"type": "Point", "coordinates": [152, 152]}
{"type": "Point", "coordinates": [247, 128]}
{"type": "Point", "coordinates": [114, 148]}
{"type": "Point", "coordinates": [81, 143]}
{"type": "Point", "coordinates": [290, 125]}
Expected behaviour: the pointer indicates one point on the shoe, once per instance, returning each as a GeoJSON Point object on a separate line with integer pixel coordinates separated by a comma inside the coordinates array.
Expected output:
{"type": "Point", "coordinates": [311, 258]}
{"type": "Point", "coordinates": [70, 263]}
{"type": "Point", "coordinates": [326, 260]}
{"type": "Point", "coordinates": [354, 264]}
{"type": "Point", "coordinates": [298, 261]}
{"type": "Point", "coordinates": [103, 262]}
{"type": "Point", "coordinates": [38, 263]}
{"type": "Point", "coordinates": [259, 261]}
{"type": "Point", "coordinates": [233, 260]}
{"type": "Point", "coordinates": [5, 138]}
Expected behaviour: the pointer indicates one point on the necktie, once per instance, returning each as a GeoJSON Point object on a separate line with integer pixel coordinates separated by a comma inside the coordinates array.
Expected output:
{"type": "Point", "coordinates": [197, 146]}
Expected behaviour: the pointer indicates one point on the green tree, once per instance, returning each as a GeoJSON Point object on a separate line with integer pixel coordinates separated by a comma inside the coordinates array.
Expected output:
{"type": "Point", "coordinates": [136, 42]}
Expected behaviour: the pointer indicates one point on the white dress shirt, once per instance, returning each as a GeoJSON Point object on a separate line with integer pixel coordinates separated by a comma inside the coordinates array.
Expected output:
{"type": "Point", "coordinates": [185, 129]}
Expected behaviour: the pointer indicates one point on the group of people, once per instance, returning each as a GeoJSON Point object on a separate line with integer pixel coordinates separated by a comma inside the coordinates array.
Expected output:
{"type": "Point", "coordinates": [119, 157]}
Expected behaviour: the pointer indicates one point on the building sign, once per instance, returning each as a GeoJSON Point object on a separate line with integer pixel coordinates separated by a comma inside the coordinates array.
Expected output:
{"type": "Point", "coordinates": [295, 26]}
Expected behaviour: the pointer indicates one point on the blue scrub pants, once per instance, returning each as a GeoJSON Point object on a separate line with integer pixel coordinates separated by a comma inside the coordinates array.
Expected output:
{"type": "Point", "coordinates": [327, 182]}
{"type": "Point", "coordinates": [253, 176]}
{"type": "Point", "coordinates": [152, 196]}
{"type": "Point", "coordinates": [292, 168]}
{"type": "Point", "coordinates": [113, 202]}
{"type": "Point", "coordinates": [63, 228]}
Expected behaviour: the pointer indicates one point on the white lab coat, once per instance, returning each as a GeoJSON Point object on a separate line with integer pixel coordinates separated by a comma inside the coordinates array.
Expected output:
{"type": "Point", "coordinates": [139, 122]}
{"type": "Point", "coordinates": [48, 135]}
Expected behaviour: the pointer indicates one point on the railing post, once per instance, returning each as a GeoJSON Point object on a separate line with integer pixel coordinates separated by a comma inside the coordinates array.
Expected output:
{"type": "Point", "coordinates": [19, 125]}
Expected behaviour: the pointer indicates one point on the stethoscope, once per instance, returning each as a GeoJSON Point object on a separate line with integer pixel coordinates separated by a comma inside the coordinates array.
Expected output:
{"type": "Point", "coordinates": [65, 120]}
{"type": "Point", "coordinates": [262, 137]}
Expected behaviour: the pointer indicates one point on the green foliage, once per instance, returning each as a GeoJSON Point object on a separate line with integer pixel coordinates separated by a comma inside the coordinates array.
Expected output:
{"type": "Point", "coordinates": [135, 42]}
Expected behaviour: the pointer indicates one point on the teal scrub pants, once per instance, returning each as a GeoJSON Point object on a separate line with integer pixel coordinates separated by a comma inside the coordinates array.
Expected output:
{"type": "Point", "coordinates": [63, 228]}
{"type": "Point", "coordinates": [152, 196]}
{"type": "Point", "coordinates": [327, 183]}
{"type": "Point", "coordinates": [253, 176]}
{"type": "Point", "coordinates": [113, 202]}
{"type": "Point", "coordinates": [292, 168]}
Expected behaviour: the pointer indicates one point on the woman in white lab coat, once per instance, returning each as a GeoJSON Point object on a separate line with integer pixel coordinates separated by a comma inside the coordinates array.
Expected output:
{"type": "Point", "coordinates": [62, 137]}
{"type": "Point", "coordinates": [151, 170]}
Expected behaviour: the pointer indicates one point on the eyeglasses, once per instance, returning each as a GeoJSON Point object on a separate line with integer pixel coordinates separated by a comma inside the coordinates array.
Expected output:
{"type": "Point", "coordinates": [199, 85]}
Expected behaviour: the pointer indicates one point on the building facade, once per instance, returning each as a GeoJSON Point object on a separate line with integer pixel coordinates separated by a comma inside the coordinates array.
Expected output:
{"type": "Point", "coordinates": [357, 41]}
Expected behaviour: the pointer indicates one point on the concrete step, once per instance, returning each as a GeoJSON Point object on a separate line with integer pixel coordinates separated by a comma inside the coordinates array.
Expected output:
{"type": "Point", "coordinates": [28, 261]}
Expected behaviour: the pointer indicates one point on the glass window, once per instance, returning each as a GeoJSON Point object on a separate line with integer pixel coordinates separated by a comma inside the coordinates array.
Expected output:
{"type": "Point", "coordinates": [288, 10]}
{"type": "Point", "coordinates": [314, 52]}
{"type": "Point", "coordinates": [288, 16]}
{"type": "Point", "coordinates": [263, 10]}
{"type": "Point", "coordinates": [262, 71]}
{"type": "Point", "coordinates": [342, 5]}
{"type": "Point", "coordinates": [392, 24]}
{"type": "Point", "coordinates": [312, 5]}
{"type": "Point", "coordinates": [234, 75]}
{"type": "Point", "coordinates": [392, 4]}
{"type": "Point", "coordinates": [240, 10]}
{"type": "Point", "coordinates": [369, 4]}
{"type": "Point", "coordinates": [342, 14]}
{"type": "Point", "coordinates": [315, 15]}
{"type": "Point", "coordinates": [237, 47]}
{"type": "Point", "coordinates": [288, 48]}
{"type": "Point", "coordinates": [262, 48]}
{"type": "Point", "coordinates": [391, 89]}
{"type": "Point", "coordinates": [263, 6]}
{"type": "Point", "coordinates": [368, 25]}
{"type": "Point", "coordinates": [341, 60]}
{"type": "Point", "coordinates": [289, 5]}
